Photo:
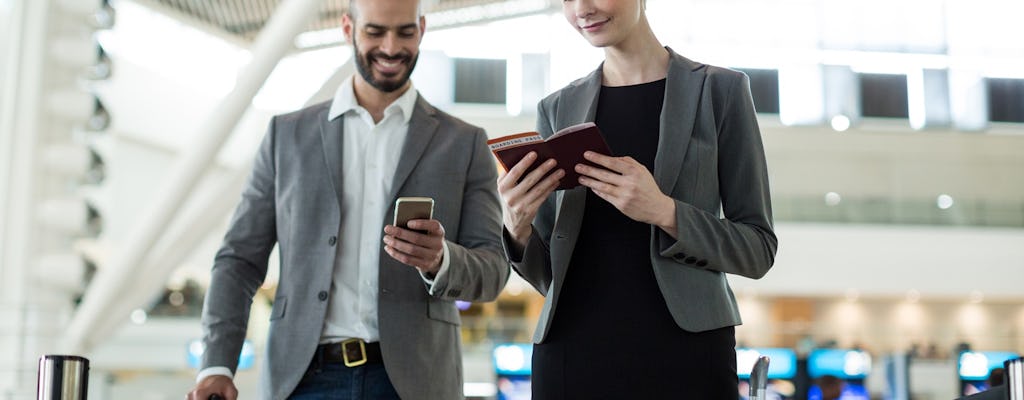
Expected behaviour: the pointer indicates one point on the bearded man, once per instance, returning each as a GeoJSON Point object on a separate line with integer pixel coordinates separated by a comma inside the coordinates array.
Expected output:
{"type": "Point", "coordinates": [363, 309]}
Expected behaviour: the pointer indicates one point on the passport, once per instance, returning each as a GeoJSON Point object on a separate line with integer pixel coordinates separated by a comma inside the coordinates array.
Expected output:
{"type": "Point", "coordinates": [566, 146]}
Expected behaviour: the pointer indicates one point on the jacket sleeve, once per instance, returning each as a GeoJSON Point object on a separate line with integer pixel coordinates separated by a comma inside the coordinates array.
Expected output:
{"type": "Point", "coordinates": [477, 271]}
{"type": "Point", "coordinates": [240, 265]}
{"type": "Point", "coordinates": [743, 242]}
{"type": "Point", "coordinates": [534, 263]}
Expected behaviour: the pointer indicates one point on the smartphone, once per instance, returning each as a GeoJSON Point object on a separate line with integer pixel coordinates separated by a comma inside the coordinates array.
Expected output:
{"type": "Point", "coordinates": [409, 208]}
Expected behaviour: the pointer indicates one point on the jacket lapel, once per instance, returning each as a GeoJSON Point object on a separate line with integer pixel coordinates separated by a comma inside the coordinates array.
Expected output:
{"type": "Point", "coordinates": [332, 136]}
{"type": "Point", "coordinates": [678, 115]}
{"type": "Point", "coordinates": [422, 126]}
{"type": "Point", "coordinates": [577, 104]}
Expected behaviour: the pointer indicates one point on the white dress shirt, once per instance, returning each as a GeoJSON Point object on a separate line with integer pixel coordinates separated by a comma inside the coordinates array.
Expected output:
{"type": "Point", "coordinates": [371, 154]}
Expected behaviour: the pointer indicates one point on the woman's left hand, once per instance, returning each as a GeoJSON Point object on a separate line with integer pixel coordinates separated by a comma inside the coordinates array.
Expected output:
{"type": "Point", "coordinates": [627, 185]}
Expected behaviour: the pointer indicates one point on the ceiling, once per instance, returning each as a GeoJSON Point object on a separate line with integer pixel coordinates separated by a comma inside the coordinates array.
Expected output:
{"type": "Point", "coordinates": [876, 176]}
{"type": "Point", "coordinates": [243, 19]}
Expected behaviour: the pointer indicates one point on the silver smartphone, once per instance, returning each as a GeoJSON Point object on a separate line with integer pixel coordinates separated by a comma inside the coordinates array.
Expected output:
{"type": "Point", "coordinates": [410, 208]}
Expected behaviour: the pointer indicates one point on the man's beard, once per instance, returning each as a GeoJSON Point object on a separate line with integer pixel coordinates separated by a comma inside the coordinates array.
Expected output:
{"type": "Point", "coordinates": [366, 71]}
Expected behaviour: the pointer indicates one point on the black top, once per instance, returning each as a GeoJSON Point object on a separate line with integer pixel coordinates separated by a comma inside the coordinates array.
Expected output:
{"type": "Point", "coordinates": [610, 273]}
{"type": "Point", "coordinates": [612, 336]}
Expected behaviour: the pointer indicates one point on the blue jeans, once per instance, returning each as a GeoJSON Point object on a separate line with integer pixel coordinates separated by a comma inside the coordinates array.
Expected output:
{"type": "Point", "coordinates": [335, 381]}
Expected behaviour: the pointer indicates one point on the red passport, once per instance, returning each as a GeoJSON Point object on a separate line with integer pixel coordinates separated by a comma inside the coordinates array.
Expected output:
{"type": "Point", "coordinates": [565, 146]}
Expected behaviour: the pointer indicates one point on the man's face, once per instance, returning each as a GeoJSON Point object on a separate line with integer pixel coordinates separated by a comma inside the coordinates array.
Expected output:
{"type": "Point", "coordinates": [385, 37]}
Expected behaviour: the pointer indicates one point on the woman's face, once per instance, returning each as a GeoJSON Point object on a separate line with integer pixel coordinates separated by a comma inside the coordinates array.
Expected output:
{"type": "Point", "coordinates": [603, 22]}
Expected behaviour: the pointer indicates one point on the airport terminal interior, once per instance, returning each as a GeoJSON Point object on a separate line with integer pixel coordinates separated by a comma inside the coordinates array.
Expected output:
{"type": "Point", "coordinates": [894, 135]}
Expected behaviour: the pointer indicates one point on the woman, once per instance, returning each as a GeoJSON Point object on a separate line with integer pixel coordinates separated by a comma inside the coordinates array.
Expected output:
{"type": "Point", "coordinates": [633, 262]}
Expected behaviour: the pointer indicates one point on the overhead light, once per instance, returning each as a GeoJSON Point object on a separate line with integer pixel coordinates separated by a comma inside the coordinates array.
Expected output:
{"type": "Point", "coordinates": [944, 201]}
{"type": "Point", "coordinates": [100, 118]}
{"type": "Point", "coordinates": [138, 316]}
{"type": "Point", "coordinates": [840, 123]}
{"type": "Point", "coordinates": [103, 18]}
{"type": "Point", "coordinates": [176, 298]}
{"type": "Point", "coordinates": [101, 69]}
{"type": "Point", "coordinates": [832, 199]}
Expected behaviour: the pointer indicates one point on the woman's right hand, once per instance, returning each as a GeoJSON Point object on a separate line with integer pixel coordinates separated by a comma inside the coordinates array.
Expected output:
{"type": "Point", "coordinates": [522, 200]}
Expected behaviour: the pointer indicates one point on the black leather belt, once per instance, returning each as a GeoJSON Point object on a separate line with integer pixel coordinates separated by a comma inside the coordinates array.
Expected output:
{"type": "Point", "coordinates": [352, 352]}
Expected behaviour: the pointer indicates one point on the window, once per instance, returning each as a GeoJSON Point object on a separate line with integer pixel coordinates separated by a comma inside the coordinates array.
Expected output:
{"type": "Point", "coordinates": [1005, 100]}
{"type": "Point", "coordinates": [883, 95]}
{"type": "Point", "coordinates": [479, 81]}
{"type": "Point", "coordinates": [764, 87]}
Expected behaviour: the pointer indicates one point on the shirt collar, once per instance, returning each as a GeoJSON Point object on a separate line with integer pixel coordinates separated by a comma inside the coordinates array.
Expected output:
{"type": "Point", "coordinates": [345, 101]}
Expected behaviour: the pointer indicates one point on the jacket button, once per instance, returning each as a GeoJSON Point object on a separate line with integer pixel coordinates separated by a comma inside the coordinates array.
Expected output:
{"type": "Point", "coordinates": [702, 263]}
{"type": "Point", "coordinates": [679, 256]}
{"type": "Point", "coordinates": [322, 295]}
{"type": "Point", "coordinates": [332, 240]}
{"type": "Point", "coordinates": [691, 260]}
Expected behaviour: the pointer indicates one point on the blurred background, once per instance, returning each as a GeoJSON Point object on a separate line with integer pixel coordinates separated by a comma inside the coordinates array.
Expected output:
{"type": "Point", "coordinates": [894, 132]}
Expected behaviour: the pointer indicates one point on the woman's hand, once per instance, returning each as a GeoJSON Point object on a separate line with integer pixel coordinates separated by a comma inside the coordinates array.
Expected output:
{"type": "Point", "coordinates": [627, 185]}
{"type": "Point", "coordinates": [522, 198]}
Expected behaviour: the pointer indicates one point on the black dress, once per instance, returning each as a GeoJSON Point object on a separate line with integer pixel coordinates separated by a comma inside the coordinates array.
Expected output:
{"type": "Point", "coordinates": [612, 336]}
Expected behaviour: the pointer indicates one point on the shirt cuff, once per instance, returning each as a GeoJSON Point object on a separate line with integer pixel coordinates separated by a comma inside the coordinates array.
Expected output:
{"type": "Point", "coordinates": [211, 371]}
{"type": "Point", "coordinates": [441, 273]}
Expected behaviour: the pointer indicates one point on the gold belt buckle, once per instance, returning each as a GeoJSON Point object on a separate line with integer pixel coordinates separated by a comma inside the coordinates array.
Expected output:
{"type": "Point", "coordinates": [362, 352]}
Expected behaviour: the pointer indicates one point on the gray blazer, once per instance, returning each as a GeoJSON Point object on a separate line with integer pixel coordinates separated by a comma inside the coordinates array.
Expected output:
{"type": "Point", "coordinates": [293, 198]}
{"type": "Point", "coordinates": [709, 158]}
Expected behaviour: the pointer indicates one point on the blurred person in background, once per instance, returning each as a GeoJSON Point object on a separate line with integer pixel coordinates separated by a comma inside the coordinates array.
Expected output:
{"type": "Point", "coordinates": [831, 388]}
{"type": "Point", "coordinates": [995, 377]}
{"type": "Point", "coordinates": [633, 264]}
{"type": "Point", "coordinates": [363, 309]}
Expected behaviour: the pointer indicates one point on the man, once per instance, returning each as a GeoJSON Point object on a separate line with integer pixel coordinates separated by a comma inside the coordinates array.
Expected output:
{"type": "Point", "coordinates": [363, 310]}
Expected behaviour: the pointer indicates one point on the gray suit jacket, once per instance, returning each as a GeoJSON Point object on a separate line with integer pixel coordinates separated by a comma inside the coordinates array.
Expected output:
{"type": "Point", "coordinates": [709, 157]}
{"type": "Point", "coordinates": [293, 199]}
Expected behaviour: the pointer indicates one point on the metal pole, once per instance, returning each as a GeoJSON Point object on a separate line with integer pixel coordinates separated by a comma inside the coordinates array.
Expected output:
{"type": "Point", "coordinates": [759, 379]}
{"type": "Point", "coordinates": [273, 42]}
{"type": "Point", "coordinates": [24, 72]}
{"type": "Point", "coordinates": [1014, 379]}
{"type": "Point", "coordinates": [63, 378]}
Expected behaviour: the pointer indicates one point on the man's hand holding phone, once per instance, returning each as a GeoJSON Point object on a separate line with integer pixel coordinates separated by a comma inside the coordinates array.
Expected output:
{"type": "Point", "coordinates": [414, 237]}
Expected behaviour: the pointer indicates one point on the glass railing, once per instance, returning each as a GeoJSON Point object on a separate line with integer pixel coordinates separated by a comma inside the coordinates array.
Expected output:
{"type": "Point", "coordinates": [879, 210]}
